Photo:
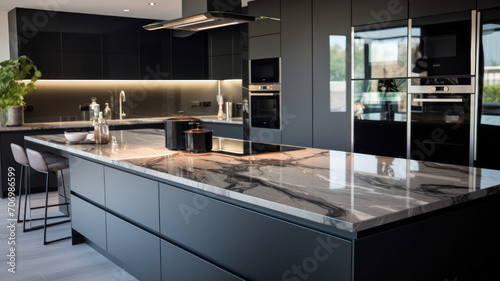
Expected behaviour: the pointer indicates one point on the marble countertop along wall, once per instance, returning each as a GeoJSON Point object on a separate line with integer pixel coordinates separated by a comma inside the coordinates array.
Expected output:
{"type": "Point", "coordinates": [349, 191]}
{"type": "Point", "coordinates": [114, 122]}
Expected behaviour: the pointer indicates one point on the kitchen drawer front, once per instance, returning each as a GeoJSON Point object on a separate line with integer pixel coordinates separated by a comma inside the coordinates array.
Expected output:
{"type": "Point", "coordinates": [89, 221]}
{"type": "Point", "coordinates": [136, 249]}
{"type": "Point", "coordinates": [133, 196]}
{"type": "Point", "coordinates": [179, 265]}
{"type": "Point", "coordinates": [87, 179]}
{"type": "Point", "coordinates": [256, 246]}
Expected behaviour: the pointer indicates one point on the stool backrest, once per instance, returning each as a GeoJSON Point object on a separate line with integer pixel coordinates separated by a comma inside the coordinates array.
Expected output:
{"type": "Point", "coordinates": [37, 161]}
{"type": "Point", "coordinates": [19, 154]}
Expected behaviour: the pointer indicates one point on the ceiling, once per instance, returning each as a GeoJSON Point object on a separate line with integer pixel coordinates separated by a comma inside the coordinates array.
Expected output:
{"type": "Point", "coordinates": [163, 10]}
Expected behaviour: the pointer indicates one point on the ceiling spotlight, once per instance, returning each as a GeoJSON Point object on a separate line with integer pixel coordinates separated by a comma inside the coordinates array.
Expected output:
{"type": "Point", "coordinates": [151, 4]}
{"type": "Point", "coordinates": [126, 10]}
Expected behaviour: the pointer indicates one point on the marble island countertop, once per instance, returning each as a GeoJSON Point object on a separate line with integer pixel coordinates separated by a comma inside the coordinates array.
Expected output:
{"type": "Point", "coordinates": [113, 122]}
{"type": "Point", "coordinates": [348, 191]}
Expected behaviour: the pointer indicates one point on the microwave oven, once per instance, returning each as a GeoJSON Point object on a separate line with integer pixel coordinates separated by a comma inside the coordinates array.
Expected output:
{"type": "Point", "coordinates": [265, 71]}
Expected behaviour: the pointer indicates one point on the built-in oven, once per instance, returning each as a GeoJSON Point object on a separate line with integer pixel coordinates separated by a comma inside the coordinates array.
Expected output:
{"type": "Point", "coordinates": [440, 127]}
{"type": "Point", "coordinates": [265, 71]}
{"type": "Point", "coordinates": [442, 52]}
{"type": "Point", "coordinates": [265, 106]}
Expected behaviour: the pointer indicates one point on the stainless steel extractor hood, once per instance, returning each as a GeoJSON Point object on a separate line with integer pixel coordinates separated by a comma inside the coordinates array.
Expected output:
{"type": "Point", "coordinates": [203, 21]}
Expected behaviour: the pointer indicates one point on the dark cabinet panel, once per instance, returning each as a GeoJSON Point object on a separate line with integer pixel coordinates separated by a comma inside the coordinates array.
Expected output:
{"type": "Point", "coordinates": [137, 250]}
{"type": "Point", "coordinates": [223, 232]}
{"type": "Point", "coordinates": [122, 191]}
{"type": "Point", "coordinates": [120, 35]}
{"type": "Point", "coordinates": [331, 130]}
{"type": "Point", "coordinates": [487, 4]}
{"type": "Point", "coordinates": [386, 138]}
{"type": "Point", "coordinates": [177, 264]}
{"type": "Point", "coordinates": [421, 8]}
{"type": "Point", "coordinates": [88, 220]}
{"type": "Point", "coordinates": [269, 8]}
{"type": "Point", "coordinates": [189, 67]}
{"type": "Point", "coordinates": [121, 66]}
{"type": "Point", "coordinates": [91, 188]}
{"type": "Point", "coordinates": [77, 65]}
{"type": "Point", "coordinates": [37, 30]}
{"type": "Point", "coordinates": [49, 63]}
{"type": "Point", "coordinates": [377, 11]}
{"type": "Point", "coordinates": [225, 130]}
{"type": "Point", "coordinates": [296, 54]}
{"type": "Point", "coordinates": [267, 46]}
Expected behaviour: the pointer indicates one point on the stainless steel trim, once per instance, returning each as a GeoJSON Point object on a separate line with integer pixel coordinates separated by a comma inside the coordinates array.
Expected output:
{"type": "Point", "coordinates": [352, 89]}
{"type": "Point", "coordinates": [455, 89]}
{"type": "Point", "coordinates": [408, 96]}
{"type": "Point", "coordinates": [476, 89]}
{"type": "Point", "coordinates": [437, 100]}
{"type": "Point", "coordinates": [409, 54]}
{"type": "Point", "coordinates": [473, 42]}
{"type": "Point", "coordinates": [408, 126]}
{"type": "Point", "coordinates": [264, 87]}
{"type": "Point", "coordinates": [264, 94]}
{"type": "Point", "coordinates": [472, 130]}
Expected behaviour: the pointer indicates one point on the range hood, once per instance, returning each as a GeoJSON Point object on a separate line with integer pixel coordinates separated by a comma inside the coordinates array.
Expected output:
{"type": "Point", "coordinates": [200, 15]}
{"type": "Point", "coordinates": [203, 21]}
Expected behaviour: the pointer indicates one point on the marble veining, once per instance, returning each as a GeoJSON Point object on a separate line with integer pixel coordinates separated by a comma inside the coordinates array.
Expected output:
{"type": "Point", "coordinates": [133, 121]}
{"type": "Point", "coordinates": [348, 191]}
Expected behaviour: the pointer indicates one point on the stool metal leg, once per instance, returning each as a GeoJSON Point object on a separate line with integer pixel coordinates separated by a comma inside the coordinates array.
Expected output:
{"type": "Point", "coordinates": [45, 225]}
{"type": "Point", "coordinates": [20, 198]}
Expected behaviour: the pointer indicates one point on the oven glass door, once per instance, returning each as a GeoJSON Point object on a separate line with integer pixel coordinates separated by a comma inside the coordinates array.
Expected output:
{"type": "Point", "coordinates": [265, 71]}
{"type": "Point", "coordinates": [441, 46]}
{"type": "Point", "coordinates": [265, 110]}
{"type": "Point", "coordinates": [440, 128]}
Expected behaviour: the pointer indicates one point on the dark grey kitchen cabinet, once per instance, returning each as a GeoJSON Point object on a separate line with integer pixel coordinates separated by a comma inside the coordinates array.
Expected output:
{"type": "Point", "coordinates": [155, 49]}
{"type": "Point", "coordinates": [123, 191]}
{"type": "Point", "coordinates": [233, 236]}
{"type": "Point", "coordinates": [296, 74]}
{"type": "Point", "coordinates": [87, 179]}
{"type": "Point", "coordinates": [267, 8]}
{"type": "Point", "coordinates": [376, 11]}
{"type": "Point", "coordinates": [421, 8]}
{"type": "Point", "coordinates": [487, 4]}
{"type": "Point", "coordinates": [386, 138]}
{"type": "Point", "coordinates": [36, 34]}
{"type": "Point", "coordinates": [265, 135]}
{"type": "Point", "coordinates": [81, 46]}
{"type": "Point", "coordinates": [180, 265]}
{"type": "Point", "coordinates": [136, 250]}
{"type": "Point", "coordinates": [266, 46]}
{"type": "Point", "coordinates": [189, 55]}
{"type": "Point", "coordinates": [224, 53]}
{"type": "Point", "coordinates": [331, 130]}
{"type": "Point", "coordinates": [89, 221]}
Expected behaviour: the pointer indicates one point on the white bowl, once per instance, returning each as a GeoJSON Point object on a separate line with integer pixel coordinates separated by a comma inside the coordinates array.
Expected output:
{"type": "Point", "coordinates": [75, 136]}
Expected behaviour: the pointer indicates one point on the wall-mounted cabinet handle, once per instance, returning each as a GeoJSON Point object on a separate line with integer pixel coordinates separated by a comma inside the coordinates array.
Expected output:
{"type": "Point", "coordinates": [438, 100]}
{"type": "Point", "coordinates": [262, 94]}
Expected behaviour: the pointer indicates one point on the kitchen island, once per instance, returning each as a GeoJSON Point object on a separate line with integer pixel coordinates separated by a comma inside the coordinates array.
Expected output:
{"type": "Point", "coordinates": [304, 214]}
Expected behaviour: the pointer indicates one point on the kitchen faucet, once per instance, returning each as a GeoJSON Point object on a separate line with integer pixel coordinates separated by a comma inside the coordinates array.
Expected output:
{"type": "Point", "coordinates": [122, 99]}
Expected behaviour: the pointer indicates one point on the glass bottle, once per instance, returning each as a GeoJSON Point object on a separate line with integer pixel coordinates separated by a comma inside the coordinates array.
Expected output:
{"type": "Point", "coordinates": [94, 109]}
{"type": "Point", "coordinates": [107, 112]}
{"type": "Point", "coordinates": [101, 130]}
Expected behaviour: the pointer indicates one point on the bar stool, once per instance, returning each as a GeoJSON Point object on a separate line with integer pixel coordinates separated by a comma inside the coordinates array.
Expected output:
{"type": "Point", "coordinates": [47, 165]}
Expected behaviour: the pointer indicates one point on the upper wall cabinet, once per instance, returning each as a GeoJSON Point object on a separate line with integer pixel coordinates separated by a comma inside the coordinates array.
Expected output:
{"type": "Point", "coordinates": [81, 46]}
{"type": "Point", "coordinates": [224, 52]}
{"type": "Point", "coordinates": [421, 8]}
{"type": "Point", "coordinates": [378, 11]}
{"type": "Point", "coordinates": [487, 4]}
{"type": "Point", "coordinates": [264, 35]}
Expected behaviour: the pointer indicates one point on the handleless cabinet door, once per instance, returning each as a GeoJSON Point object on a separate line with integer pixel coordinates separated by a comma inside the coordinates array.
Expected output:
{"type": "Point", "coordinates": [133, 197]}
{"type": "Point", "coordinates": [179, 265]}
{"type": "Point", "coordinates": [487, 4]}
{"type": "Point", "coordinates": [137, 251]}
{"type": "Point", "coordinates": [422, 8]}
{"type": "Point", "coordinates": [87, 179]}
{"type": "Point", "coordinates": [378, 11]}
{"type": "Point", "coordinates": [256, 246]}
{"type": "Point", "coordinates": [89, 221]}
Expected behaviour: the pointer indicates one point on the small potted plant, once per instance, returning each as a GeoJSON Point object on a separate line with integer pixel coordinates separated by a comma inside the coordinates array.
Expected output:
{"type": "Point", "coordinates": [13, 89]}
